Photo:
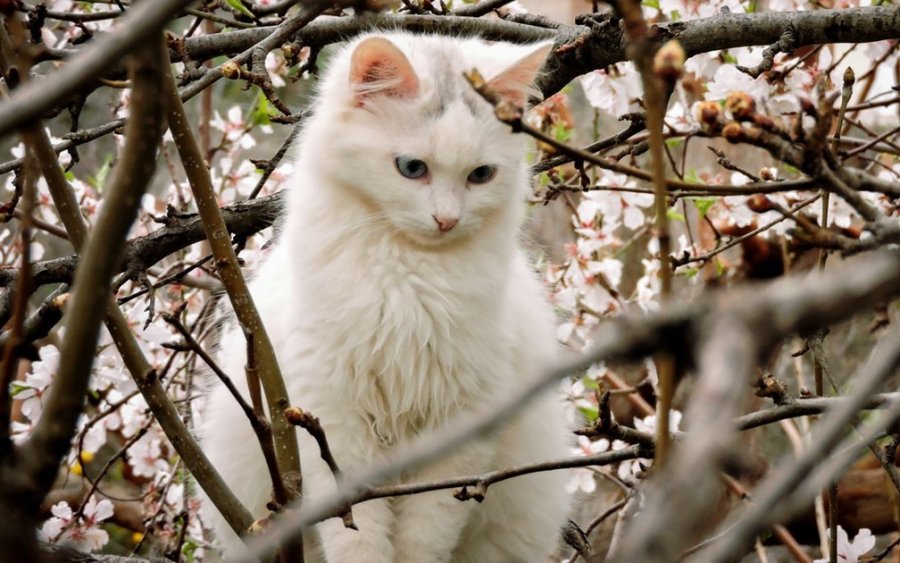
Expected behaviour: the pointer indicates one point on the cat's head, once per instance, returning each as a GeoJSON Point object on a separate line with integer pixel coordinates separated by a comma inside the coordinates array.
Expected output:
{"type": "Point", "coordinates": [411, 138]}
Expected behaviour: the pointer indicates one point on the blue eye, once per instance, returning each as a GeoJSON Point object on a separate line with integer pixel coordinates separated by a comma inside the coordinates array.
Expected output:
{"type": "Point", "coordinates": [483, 174]}
{"type": "Point", "coordinates": [412, 168]}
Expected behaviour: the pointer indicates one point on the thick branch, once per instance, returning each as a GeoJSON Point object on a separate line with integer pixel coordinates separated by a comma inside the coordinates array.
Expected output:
{"type": "Point", "coordinates": [597, 49]}
{"type": "Point", "coordinates": [41, 455]}
{"type": "Point", "coordinates": [724, 31]}
{"type": "Point", "coordinates": [791, 474]}
{"type": "Point", "coordinates": [776, 310]}
{"type": "Point", "coordinates": [285, 440]}
{"type": "Point", "coordinates": [180, 231]}
{"type": "Point", "coordinates": [135, 27]}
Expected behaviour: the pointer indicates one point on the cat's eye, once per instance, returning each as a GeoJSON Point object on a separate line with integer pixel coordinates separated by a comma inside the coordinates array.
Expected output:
{"type": "Point", "coordinates": [412, 168]}
{"type": "Point", "coordinates": [482, 174]}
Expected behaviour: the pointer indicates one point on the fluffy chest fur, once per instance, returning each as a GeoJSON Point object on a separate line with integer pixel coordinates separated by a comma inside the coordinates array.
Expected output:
{"type": "Point", "coordinates": [404, 339]}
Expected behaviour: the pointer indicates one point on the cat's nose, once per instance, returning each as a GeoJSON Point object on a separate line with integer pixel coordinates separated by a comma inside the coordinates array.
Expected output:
{"type": "Point", "coordinates": [445, 223]}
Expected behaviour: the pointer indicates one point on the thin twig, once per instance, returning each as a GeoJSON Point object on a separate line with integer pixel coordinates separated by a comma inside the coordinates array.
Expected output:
{"type": "Point", "coordinates": [285, 440]}
{"type": "Point", "coordinates": [260, 425]}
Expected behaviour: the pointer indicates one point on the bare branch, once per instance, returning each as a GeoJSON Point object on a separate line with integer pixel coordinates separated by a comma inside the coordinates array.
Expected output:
{"type": "Point", "coordinates": [783, 307]}
{"type": "Point", "coordinates": [40, 456]}
{"type": "Point", "coordinates": [791, 474]}
{"type": "Point", "coordinates": [284, 436]}
{"type": "Point", "coordinates": [180, 231]}
{"type": "Point", "coordinates": [37, 96]}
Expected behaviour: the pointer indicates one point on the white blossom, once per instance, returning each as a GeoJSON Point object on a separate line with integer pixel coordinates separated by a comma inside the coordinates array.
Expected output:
{"type": "Point", "coordinates": [850, 551]}
{"type": "Point", "coordinates": [82, 533]}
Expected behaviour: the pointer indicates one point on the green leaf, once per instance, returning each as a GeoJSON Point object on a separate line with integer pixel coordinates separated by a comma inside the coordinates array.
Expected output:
{"type": "Point", "coordinates": [590, 413]}
{"type": "Point", "coordinates": [674, 141]}
{"type": "Point", "coordinates": [691, 176]}
{"type": "Point", "coordinates": [720, 267]}
{"type": "Point", "coordinates": [703, 204]}
{"type": "Point", "coordinates": [790, 169]}
{"type": "Point", "coordinates": [261, 111]}
{"type": "Point", "coordinates": [70, 176]}
{"type": "Point", "coordinates": [674, 215]}
{"type": "Point", "coordinates": [590, 383]}
{"type": "Point", "coordinates": [98, 179]}
{"type": "Point", "coordinates": [689, 272]}
{"type": "Point", "coordinates": [729, 58]}
{"type": "Point", "coordinates": [651, 3]}
{"type": "Point", "coordinates": [237, 6]}
{"type": "Point", "coordinates": [18, 387]}
{"type": "Point", "coordinates": [561, 133]}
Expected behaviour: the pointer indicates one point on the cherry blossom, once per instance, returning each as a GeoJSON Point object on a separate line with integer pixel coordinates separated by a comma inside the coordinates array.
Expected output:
{"type": "Point", "coordinates": [84, 533]}
{"type": "Point", "coordinates": [635, 468]}
{"type": "Point", "coordinates": [613, 94]}
{"type": "Point", "coordinates": [145, 456]}
{"type": "Point", "coordinates": [850, 551]}
{"type": "Point", "coordinates": [277, 68]}
{"type": "Point", "coordinates": [728, 79]}
{"type": "Point", "coordinates": [583, 478]}
{"type": "Point", "coordinates": [235, 128]}
{"type": "Point", "coordinates": [36, 383]}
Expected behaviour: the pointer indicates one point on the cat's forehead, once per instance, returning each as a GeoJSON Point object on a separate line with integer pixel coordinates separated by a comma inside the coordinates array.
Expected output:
{"type": "Point", "coordinates": [440, 63]}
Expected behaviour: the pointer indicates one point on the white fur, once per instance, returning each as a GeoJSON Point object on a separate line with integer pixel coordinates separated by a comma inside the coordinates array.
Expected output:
{"type": "Point", "coordinates": [386, 328]}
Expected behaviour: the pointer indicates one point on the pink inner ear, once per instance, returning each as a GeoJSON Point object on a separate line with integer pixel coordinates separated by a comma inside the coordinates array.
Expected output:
{"type": "Point", "coordinates": [378, 67]}
{"type": "Point", "coordinates": [515, 83]}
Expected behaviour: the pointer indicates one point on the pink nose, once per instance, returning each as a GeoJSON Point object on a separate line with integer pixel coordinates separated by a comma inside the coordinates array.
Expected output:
{"type": "Point", "coordinates": [445, 223]}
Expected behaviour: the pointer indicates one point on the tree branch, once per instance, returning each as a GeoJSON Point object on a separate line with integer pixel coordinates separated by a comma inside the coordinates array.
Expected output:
{"type": "Point", "coordinates": [135, 27]}
{"type": "Point", "coordinates": [597, 47]}
{"type": "Point", "coordinates": [774, 310]}
{"type": "Point", "coordinates": [789, 475]}
{"type": "Point", "coordinates": [179, 231]}
{"type": "Point", "coordinates": [283, 433]}
{"type": "Point", "coordinates": [40, 456]}
{"type": "Point", "coordinates": [117, 324]}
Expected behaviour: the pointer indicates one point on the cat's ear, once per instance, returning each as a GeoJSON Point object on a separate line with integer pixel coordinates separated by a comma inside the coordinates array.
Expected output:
{"type": "Point", "coordinates": [379, 68]}
{"type": "Point", "coordinates": [516, 83]}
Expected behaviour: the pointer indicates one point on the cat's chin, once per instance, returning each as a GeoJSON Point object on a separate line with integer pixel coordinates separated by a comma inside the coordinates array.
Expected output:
{"type": "Point", "coordinates": [432, 240]}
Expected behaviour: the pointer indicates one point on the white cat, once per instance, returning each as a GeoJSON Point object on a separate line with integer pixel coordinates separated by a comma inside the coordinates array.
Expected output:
{"type": "Point", "coordinates": [399, 300]}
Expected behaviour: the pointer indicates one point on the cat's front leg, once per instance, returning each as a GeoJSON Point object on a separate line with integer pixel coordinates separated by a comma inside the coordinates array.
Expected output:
{"type": "Point", "coordinates": [371, 543]}
{"type": "Point", "coordinates": [429, 525]}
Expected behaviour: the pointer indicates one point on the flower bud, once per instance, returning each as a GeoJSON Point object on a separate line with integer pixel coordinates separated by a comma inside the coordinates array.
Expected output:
{"type": "Point", "coordinates": [290, 51]}
{"type": "Point", "coordinates": [768, 174]}
{"type": "Point", "coordinates": [759, 203]}
{"type": "Point", "coordinates": [849, 76]}
{"type": "Point", "coordinates": [231, 70]}
{"type": "Point", "coordinates": [668, 63]}
{"type": "Point", "coordinates": [294, 415]}
{"type": "Point", "coordinates": [709, 114]}
{"type": "Point", "coordinates": [741, 105]}
{"type": "Point", "coordinates": [733, 132]}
